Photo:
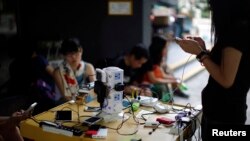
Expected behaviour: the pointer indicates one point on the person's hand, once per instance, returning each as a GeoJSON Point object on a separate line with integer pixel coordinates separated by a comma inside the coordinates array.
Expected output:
{"type": "Point", "coordinates": [17, 117]}
{"type": "Point", "coordinates": [18, 113]}
{"type": "Point", "coordinates": [170, 77]}
{"type": "Point", "coordinates": [22, 115]}
{"type": "Point", "coordinates": [189, 45]}
{"type": "Point", "coordinates": [130, 89]}
{"type": "Point", "coordinates": [199, 40]}
{"type": "Point", "coordinates": [146, 92]}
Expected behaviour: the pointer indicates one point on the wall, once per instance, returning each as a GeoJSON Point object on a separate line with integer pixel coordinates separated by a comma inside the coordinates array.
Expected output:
{"type": "Point", "coordinates": [120, 33]}
{"type": "Point", "coordinates": [58, 19]}
{"type": "Point", "coordinates": [101, 35]}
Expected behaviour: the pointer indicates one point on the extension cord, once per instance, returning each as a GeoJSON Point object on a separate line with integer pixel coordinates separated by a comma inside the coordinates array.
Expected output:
{"type": "Point", "coordinates": [57, 130]}
{"type": "Point", "coordinates": [101, 133]}
{"type": "Point", "coordinates": [64, 130]}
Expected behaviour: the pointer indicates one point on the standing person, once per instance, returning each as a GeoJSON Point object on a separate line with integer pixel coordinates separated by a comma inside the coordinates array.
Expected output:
{"type": "Point", "coordinates": [131, 63]}
{"type": "Point", "coordinates": [72, 72]}
{"type": "Point", "coordinates": [224, 97]}
{"type": "Point", "coordinates": [155, 74]}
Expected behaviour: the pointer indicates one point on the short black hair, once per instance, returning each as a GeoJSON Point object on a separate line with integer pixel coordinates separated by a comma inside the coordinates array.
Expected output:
{"type": "Point", "coordinates": [70, 45]}
{"type": "Point", "coordinates": [139, 51]}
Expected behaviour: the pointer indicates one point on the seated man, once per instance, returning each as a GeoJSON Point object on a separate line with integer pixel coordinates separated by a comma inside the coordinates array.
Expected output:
{"type": "Point", "coordinates": [131, 63]}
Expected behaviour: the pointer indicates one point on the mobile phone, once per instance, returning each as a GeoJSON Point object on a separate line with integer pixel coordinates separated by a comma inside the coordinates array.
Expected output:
{"type": "Point", "coordinates": [91, 85]}
{"type": "Point", "coordinates": [31, 108]}
{"type": "Point", "coordinates": [92, 120]}
{"type": "Point", "coordinates": [64, 115]}
{"type": "Point", "coordinates": [177, 39]}
{"type": "Point", "coordinates": [88, 86]}
{"type": "Point", "coordinates": [92, 109]}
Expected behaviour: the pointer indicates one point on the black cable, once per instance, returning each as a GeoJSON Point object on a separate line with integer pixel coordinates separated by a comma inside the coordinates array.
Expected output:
{"type": "Point", "coordinates": [193, 128]}
{"type": "Point", "coordinates": [78, 113]}
{"type": "Point", "coordinates": [150, 133]}
{"type": "Point", "coordinates": [124, 120]}
{"type": "Point", "coordinates": [142, 115]}
{"type": "Point", "coordinates": [134, 117]}
{"type": "Point", "coordinates": [34, 119]}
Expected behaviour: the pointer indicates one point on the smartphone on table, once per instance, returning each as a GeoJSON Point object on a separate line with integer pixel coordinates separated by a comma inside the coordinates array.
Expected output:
{"type": "Point", "coordinates": [92, 120]}
{"type": "Point", "coordinates": [64, 115]}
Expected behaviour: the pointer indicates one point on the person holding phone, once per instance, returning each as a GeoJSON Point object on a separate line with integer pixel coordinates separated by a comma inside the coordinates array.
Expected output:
{"type": "Point", "coordinates": [9, 130]}
{"type": "Point", "coordinates": [224, 96]}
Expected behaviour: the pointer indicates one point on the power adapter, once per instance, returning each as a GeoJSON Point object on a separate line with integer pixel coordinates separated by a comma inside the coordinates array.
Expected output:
{"type": "Point", "coordinates": [164, 120]}
{"type": "Point", "coordinates": [151, 124]}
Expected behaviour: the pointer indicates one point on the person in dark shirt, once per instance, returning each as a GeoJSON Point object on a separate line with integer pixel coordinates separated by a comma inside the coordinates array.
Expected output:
{"type": "Point", "coordinates": [224, 97]}
{"type": "Point", "coordinates": [42, 82]}
{"type": "Point", "coordinates": [131, 64]}
{"type": "Point", "coordinates": [42, 69]}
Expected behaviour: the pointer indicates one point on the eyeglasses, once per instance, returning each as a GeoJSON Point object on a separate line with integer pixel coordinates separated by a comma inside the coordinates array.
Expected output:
{"type": "Point", "coordinates": [73, 54]}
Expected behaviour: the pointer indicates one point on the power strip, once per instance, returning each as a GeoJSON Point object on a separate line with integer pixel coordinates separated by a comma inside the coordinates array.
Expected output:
{"type": "Point", "coordinates": [64, 130]}
{"type": "Point", "coordinates": [56, 130]}
{"type": "Point", "coordinates": [101, 133]}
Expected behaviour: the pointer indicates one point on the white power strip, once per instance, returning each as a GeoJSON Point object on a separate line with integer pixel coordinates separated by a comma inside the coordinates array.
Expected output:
{"type": "Point", "coordinates": [57, 130]}
{"type": "Point", "coordinates": [101, 133]}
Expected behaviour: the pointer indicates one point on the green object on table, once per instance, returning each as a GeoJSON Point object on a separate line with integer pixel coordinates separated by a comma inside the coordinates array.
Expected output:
{"type": "Point", "coordinates": [135, 106]}
{"type": "Point", "coordinates": [183, 87]}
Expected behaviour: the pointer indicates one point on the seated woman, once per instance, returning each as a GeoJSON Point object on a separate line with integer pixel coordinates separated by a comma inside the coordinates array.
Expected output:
{"type": "Point", "coordinates": [155, 74]}
{"type": "Point", "coordinates": [42, 82]}
{"type": "Point", "coordinates": [72, 72]}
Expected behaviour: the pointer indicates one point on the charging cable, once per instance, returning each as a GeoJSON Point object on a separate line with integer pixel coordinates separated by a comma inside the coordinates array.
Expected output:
{"type": "Point", "coordinates": [154, 129]}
